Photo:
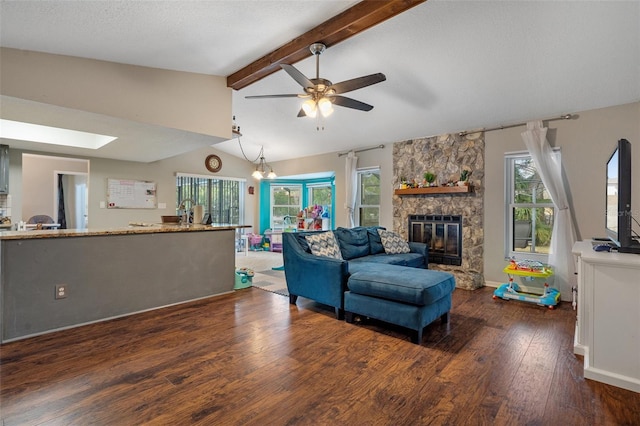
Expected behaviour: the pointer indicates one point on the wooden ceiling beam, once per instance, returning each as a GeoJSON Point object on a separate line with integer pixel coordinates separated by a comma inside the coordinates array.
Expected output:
{"type": "Point", "coordinates": [352, 21]}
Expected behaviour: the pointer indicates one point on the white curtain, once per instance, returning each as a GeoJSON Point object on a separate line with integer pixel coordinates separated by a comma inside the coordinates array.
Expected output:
{"type": "Point", "coordinates": [351, 184]}
{"type": "Point", "coordinates": [564, 235]}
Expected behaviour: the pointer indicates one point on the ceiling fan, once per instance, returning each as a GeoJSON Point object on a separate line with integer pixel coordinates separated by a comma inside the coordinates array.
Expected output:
{"type": "Point", "coordinates": [322, 94]}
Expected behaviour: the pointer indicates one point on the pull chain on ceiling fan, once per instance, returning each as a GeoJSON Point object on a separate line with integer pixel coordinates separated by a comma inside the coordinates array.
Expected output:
{"type": "Point", "coordinates": [321, 94]}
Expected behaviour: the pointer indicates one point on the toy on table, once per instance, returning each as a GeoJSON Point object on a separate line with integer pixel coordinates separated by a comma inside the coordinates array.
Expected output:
{"type": "Point", "coordinates": [532, 270]}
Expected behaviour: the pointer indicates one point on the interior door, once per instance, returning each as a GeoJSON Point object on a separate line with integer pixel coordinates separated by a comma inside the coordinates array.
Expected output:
{"type": "Point", "coordinates": [76, 195]}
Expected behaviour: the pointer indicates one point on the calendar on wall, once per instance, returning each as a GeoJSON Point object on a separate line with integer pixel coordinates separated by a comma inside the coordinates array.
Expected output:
{"type": "Point", "coordinates": [131, 194]}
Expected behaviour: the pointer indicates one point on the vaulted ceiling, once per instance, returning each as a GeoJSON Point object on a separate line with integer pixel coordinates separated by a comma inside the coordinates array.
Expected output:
{"type": "Point", "coordinates": [450, 65]}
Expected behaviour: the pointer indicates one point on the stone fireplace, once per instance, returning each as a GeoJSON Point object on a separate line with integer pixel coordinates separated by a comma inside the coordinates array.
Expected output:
{"type": "Point", "coordinates": [432, 217]}
{"type": "Point", "coordinates": [441, 233]}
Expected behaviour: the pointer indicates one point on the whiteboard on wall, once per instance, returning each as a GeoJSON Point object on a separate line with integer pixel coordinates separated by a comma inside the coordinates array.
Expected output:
{"type": "Point", "coordinates": [131, 194]}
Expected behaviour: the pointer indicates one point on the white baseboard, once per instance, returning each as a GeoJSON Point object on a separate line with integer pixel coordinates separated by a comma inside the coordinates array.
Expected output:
{"type": "Point", "coordinates": [494, 284]}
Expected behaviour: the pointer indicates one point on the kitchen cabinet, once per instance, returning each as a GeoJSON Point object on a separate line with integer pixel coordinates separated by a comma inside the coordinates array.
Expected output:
{"type": "Point", "coordinates": [4, 169]}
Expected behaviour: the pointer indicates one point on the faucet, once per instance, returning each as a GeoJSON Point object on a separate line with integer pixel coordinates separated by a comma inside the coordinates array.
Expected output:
{"type": "Point", "coordinates": [185, 215]}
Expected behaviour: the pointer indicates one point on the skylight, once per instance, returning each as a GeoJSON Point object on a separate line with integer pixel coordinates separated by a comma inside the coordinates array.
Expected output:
{"type": "Point", "coordinates": [52, 135]}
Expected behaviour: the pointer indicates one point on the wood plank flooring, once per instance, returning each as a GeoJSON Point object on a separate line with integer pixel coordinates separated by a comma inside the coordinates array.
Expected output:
{"type": "Point", "coordinates": [250, 358]}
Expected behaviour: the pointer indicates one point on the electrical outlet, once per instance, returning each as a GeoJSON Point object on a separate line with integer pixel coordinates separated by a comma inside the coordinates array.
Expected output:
{"type": "Point", "coordinates": [61, 291]}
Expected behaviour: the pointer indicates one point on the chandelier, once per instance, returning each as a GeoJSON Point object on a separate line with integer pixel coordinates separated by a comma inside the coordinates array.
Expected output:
{"type": "Point", "coordinates": [261, 168]}
{"type": "Point", "coordinates": [261, 165]}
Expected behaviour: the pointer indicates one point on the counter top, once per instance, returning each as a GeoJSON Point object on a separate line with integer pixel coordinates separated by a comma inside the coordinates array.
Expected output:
{"type": "Point", "coordinates": [134, 229]}
{"type": "Point", "coordinates": [585, 250]}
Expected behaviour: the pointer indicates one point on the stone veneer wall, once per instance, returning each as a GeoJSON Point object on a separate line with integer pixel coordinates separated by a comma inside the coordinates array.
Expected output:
{"type": "Point", "coordinates": [445, 156]}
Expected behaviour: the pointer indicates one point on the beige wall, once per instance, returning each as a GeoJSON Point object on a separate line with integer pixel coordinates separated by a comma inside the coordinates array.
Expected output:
{"type": "Point", "coordinates": [586, 144]}
{"type": "Point", "coordinates": [39, 182]}
{"type": "Point", "coordinates": [162, 172]}
{"type": "Point", "coordinates": [332, 163]}
{"type": "Point", "coordinates": [187, 101]}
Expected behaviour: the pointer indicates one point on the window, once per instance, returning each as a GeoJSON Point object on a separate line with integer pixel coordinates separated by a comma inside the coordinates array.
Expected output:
{"type": "Point", "coordinates": [286, 203]}
{"type": "Point", "coordinates": [529, 210]}
{"type": "Point", "coordinates": [321, 194]}
{"type": "Point", "coordinates": [368, 198]}
{"type": "Point", "coordinates": [222, 198]}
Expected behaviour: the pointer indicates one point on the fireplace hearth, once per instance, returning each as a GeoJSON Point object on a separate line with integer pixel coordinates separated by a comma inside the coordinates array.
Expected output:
{"type": "Point", "coordinates": [441, 233]}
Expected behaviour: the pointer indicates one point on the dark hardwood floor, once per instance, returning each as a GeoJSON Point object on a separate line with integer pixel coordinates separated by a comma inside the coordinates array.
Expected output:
{"type": "Point", "coordinates": [249, 358]}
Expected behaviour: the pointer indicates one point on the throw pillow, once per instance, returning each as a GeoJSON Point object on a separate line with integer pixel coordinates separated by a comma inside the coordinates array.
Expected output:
{"type": "Point", "coordinates": [392, 242]}
{"type": "Point", "coordinates": [324, 244]}
{"type": "Point", "coordinates": [353, 242]}
{"type": "Point", "coordinates": [375, 244]}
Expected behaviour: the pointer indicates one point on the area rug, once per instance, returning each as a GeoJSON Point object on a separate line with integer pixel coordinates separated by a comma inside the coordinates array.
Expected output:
{"type": "Point", "coordinates": [271, 280]}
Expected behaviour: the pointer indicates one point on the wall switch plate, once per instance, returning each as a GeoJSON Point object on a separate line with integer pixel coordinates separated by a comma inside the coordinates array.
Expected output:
{"type": "Point", "coordinates": [162, 205]}
{"type": "Point", "coordinates": [102, 204]}
{"type": "Point", "coordinates": [61, 291]}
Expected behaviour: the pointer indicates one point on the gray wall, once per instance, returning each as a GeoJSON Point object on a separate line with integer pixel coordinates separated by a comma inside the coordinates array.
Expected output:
{"type": "Point", "coordinates": [108, 276]}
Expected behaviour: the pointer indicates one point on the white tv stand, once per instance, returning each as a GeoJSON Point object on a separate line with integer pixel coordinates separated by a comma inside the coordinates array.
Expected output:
{"type": "Point", "coordinates": [608, 324]}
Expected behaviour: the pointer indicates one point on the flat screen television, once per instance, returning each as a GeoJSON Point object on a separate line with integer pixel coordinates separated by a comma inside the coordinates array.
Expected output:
{"type": "Point", "coordinates": [619, 221]}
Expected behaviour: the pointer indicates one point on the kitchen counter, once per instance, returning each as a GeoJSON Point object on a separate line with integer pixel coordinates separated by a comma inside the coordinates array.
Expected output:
{"type": "Point", "coordinates": [108, 273]}
{"type": "Point", "coordinates": [132, 229]}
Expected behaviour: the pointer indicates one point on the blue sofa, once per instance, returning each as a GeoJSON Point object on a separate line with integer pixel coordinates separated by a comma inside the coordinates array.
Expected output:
{"type": "Point", "coordinates": [324, 279]}
{"type": "Point", "coordinates": [395, 288]}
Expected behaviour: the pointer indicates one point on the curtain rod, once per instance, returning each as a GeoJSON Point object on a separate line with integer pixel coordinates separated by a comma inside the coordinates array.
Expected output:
{"type": "Point", "coordinates": [562, 117]}
{"type": "Point", "coordinates": [340, 154]}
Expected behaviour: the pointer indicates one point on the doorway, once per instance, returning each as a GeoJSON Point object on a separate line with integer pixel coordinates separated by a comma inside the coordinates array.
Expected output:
{"type": "Point", "coordinates": [71, 200]}
{"type": "Point", "coordinates": [41, 177]}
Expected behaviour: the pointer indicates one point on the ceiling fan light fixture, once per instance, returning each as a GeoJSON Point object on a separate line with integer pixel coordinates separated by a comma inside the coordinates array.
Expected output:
{"type": "Point", "coordinates": [309, 108]}
{"type": "Point", "coordinates": [320, 93]}
{"type": "Point", "coordinates": [325, 106]}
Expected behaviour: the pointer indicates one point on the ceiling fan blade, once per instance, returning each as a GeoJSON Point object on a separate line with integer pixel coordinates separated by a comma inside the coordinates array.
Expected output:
{"type": "Point", "coordinates": [301, 113]}
{"type": "Point", "coordinates": [343, 101]}
{"type": "Point", "coordinates": [275, 96]}
{"type": "Point", "coordinates": [297, 76]}
{"type": "Point", "coordinates": [357, 83]}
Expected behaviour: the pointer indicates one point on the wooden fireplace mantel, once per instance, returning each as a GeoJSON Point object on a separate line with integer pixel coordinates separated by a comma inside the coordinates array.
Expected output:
{"type": "Point", "coordinates": [434, 190]}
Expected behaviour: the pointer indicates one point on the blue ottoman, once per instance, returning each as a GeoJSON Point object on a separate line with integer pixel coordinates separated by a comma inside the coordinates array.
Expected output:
{"type": "Point", "coordinates": [408, 297]}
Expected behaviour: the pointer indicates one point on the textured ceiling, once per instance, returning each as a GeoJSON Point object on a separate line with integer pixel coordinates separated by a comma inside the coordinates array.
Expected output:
{"type": "Point", "coordinates": [450, 65]}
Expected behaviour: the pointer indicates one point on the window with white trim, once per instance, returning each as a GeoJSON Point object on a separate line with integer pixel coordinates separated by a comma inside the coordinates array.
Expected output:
{"type": "Point", "coordinates": [368, 197]}
{"type": "Point", "coordinates": [286, 203]}
{"type": "Point", "coordinates": [529, 211]}
{"type": "Point", "coordinates": [321, 194]}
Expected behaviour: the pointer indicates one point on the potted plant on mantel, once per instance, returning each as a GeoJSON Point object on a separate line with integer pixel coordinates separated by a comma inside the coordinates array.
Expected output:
{"type": "Point", "coordinates": [464, 177]}
{"type": "Point", "coordinates": [429, 178]}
